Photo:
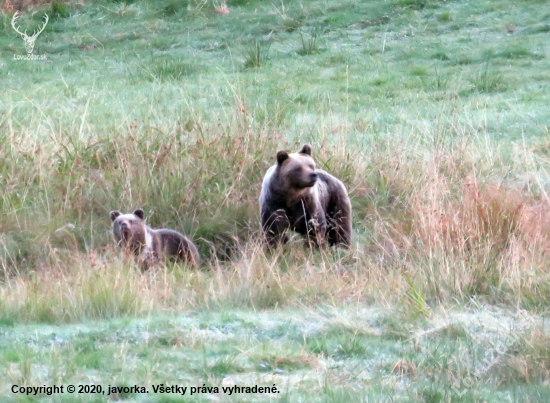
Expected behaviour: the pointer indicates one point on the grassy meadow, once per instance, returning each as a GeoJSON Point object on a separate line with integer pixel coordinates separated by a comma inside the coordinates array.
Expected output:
{"type": "Point", "coordinates": [436, 116]}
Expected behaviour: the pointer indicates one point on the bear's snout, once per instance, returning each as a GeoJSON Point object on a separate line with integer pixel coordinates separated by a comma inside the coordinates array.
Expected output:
{"type": "Point", "coordinates": [124, 229]}
{"type": "Point", "coordinates": [313, 178]}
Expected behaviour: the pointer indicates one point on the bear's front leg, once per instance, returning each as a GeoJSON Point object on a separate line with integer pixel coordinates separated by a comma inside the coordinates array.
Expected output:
{"type": "Point", "coordinates": [317, 224]}
{"type": "Point", "coordinates": [316, 231]}
{"type": "Point", "coordinates": [274, 225]}
{"type": "Point", "coordinates": [147, 258]}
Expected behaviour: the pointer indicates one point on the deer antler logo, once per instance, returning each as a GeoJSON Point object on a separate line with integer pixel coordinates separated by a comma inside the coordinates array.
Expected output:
{"type": "Point", "coordinates": [29, 40]}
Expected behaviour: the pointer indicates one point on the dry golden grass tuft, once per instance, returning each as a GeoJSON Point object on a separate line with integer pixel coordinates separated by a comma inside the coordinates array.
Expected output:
{"type": "Point", "coordinates": [221, 8]}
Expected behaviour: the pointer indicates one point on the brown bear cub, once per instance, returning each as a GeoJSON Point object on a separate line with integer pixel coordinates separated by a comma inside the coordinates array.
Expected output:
{"type": "Point", "coordinates": [309, 201]}
{"type": "Point", "coordinates": [150, 245]}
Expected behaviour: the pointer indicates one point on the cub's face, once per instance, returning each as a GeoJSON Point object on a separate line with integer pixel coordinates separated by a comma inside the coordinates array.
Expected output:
{"type": "Point", "coordinates": [129, 229]}
{"type": "Point", "coordinates": [297, 169]}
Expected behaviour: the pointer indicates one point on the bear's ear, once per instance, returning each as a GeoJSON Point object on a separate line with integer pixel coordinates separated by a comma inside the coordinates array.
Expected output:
{"type": "Point", "coordinates": [139, 213]}
{"type": "Point", "coordinates": [282, 156]}
{"type": "Point", "coordinates": [306, 149]}
{"type": "Point", "coordinates": [114, 215]}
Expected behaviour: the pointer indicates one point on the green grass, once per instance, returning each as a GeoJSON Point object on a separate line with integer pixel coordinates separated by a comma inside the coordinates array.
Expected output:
{"type": "Point", "coordinates": [165, 70]}
{"type": "Point", "coordinates": [257, 54]}
{"type": "Point", "coordinates": [433, 113]}
{"type": "Point", "coordinates": [216, 350]}
{"type": "Point", "coordinates": [310, 43]}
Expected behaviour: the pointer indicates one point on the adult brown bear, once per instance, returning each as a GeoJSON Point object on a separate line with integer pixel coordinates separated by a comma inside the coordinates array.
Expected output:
{"type": "Point", "coordinates": [150, 245]}
{"type": "Point", "coordinates": [309, 201]}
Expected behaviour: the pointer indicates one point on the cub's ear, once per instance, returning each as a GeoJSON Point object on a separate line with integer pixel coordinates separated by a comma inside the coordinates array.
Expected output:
{"type": "Point", "coordinates": [282, 156]}
{"type": "Point", "coordinates": [139, 213]}
{"type": "Point", "coordinates": [114, 215]}
{"type": "Point", "coordinates": [306, 149]}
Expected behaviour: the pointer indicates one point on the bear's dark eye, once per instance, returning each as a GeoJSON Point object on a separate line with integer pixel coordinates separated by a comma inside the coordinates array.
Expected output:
{"type": "Point", "coordinates": [130, 221]}
{"type": "Point", "coordinates": [298, 169]}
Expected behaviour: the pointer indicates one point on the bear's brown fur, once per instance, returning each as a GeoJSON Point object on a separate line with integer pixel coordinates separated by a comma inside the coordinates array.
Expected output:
{"type": "Point", "coordinates": [309, 201]}
{"type": "Point", "coordinates": [133, 236]}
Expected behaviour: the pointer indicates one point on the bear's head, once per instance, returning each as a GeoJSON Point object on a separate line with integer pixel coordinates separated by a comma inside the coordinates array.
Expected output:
{"type": "Point", "coordinates": [296, 170]}
{"type": "Point", "coordinates": [129, 229]}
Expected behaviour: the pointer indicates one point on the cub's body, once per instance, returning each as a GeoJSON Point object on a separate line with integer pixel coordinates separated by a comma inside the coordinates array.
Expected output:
{"type": "Point", "coordinates": [133, 236]}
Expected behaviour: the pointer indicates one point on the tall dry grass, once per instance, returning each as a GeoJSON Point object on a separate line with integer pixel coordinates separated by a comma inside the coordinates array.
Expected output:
{"type": "Point", "coordinates": [423, 211]}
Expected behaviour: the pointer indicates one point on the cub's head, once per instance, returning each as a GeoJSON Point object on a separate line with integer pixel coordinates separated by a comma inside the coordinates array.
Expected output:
{"type": "Point", "coordinates": [129, 229]}
{"type": "Point", "coordinates": [297, 170]}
